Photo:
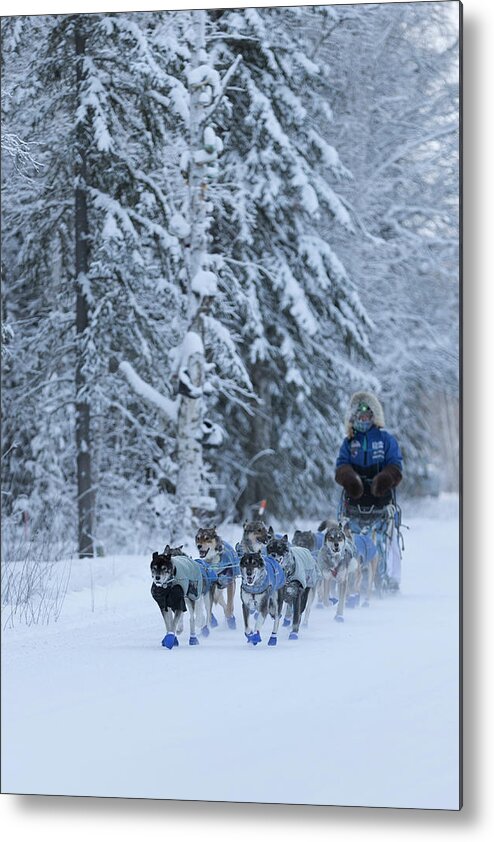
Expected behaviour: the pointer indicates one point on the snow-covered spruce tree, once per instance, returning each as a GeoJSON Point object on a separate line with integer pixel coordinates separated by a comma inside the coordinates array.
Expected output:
{"type": "Point", "coordinates": [146, 279]}
{"type": "Point", "coordinates": [37, 251]}
{"type": "Point", "coordinates": [394, 94]}
{"type": "Point", "coordinates": [303, 329]}
{"type": "Point", "coordinates": [202, 354]}
{"type": "Point", "coordinates": [103, 111]}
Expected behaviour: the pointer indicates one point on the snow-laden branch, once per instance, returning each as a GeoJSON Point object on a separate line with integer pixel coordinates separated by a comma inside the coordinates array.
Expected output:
{"type": "Point", "coordinates": [167, 407]}
{"type": "Point", "coordinates": [224, 82]}
{"type": "Point", "coordinates": [408, 147]}
{"type": "Point", "coordinates": [19, 151]}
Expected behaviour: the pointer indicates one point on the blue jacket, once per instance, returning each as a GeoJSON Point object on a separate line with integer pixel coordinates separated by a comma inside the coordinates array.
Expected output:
{"type": "Point", "coordinates": [372, 449]}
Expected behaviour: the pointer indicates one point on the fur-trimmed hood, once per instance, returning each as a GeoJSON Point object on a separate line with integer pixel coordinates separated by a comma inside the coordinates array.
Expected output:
{"type": "Point", "coordinates": [372, 401]}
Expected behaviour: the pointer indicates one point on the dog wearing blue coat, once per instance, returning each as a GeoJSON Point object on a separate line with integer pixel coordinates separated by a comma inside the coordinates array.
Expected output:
{"type": "Point", "coordinates": [261, 593]}
{"type": "Point", "coordinates": [179, 582]}
{"type": "Point", "coordinates": [223, 562]}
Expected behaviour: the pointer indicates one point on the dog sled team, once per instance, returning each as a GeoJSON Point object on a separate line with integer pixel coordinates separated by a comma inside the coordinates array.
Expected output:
{"type": "Point", "coordinates": [341, 564]}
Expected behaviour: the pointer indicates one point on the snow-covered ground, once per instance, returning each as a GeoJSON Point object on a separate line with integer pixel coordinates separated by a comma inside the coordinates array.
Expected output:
{"type": "Point", "coordinates": [360, 713]}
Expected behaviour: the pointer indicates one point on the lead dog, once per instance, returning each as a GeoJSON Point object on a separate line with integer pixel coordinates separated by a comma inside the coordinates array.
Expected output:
{"type": "Point", "coordinates": [262, 591]}
{"type": "Point", "coordinates": [301, 574]}
{"type": "Point", "coordinates": [336, 561]}
{"type": "Point", "coordinates": [178, 583]}
{"type": "Point", "coordinates": [222, 559]}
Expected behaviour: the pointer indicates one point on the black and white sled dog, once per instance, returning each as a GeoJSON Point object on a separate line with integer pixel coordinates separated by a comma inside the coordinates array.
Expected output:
{"type": "Point", "coordinates": [178, 583]}
{"type": "Point", "coordinates": [223, 563]}
{"type": "Point", "coordinates": [301, 573]}
{"type": "Point", "coordinates": [337, 562]}
{"type": "Point", "coordinates": [261, 593]}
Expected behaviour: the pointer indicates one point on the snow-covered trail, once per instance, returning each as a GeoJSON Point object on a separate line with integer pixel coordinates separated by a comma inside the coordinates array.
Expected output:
{"type": "Point", "coordinates": [362, 713]}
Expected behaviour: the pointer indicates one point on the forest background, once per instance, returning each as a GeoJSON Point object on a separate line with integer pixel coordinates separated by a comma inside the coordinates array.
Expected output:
{"type": "Point", "coordinates": [216, 226]}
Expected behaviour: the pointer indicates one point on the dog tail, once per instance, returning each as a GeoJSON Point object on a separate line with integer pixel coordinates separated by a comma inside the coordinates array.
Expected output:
{"type": "Point", "coordinates": [322, 526]}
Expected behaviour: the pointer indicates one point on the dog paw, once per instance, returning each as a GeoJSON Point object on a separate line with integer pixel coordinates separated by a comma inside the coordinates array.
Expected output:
{"type": "Point", "coordinates": [193, 641]}
{"type": "Point", "coordinates": [214, 622]}
{"type": "Point", "coordinates": [339, 618]}
{"type": "Point", "coordinates": [231, 622]}
{"type": "Point", "coordinates": [169, 641]}
{"type": "Point", "coordinates": [293, 636]}
{"type": "Point", "coordinates": [272, 640]}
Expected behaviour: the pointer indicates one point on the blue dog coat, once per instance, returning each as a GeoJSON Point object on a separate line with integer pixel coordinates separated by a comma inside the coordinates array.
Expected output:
{"type": "Point", "coordinates": [366, 549]}
{"type": "Point", "coordinates": [274, 578]}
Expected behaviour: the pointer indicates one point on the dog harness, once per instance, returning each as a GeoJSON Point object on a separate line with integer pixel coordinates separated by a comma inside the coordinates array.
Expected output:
{"type": "Point", "coordinates": [274, 578]}
{"type": "Point", "coordinates": [228, 561]}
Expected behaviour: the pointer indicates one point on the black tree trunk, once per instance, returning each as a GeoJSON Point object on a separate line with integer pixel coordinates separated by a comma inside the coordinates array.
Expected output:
{"type": "Point", "coordinates": [82, 407]}
{"type": "Point", "coordinates": [259, 485]}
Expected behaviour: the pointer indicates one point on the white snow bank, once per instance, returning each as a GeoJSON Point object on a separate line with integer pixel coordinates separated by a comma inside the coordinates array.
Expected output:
{"type": "Point", "coordinates": [375, 700]}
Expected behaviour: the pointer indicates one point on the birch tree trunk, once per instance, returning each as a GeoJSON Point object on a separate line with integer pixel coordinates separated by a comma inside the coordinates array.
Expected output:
{"type": "Point", "coordinates": [82, 407]}
{"type": "Point", "coordinates": [191, 500]}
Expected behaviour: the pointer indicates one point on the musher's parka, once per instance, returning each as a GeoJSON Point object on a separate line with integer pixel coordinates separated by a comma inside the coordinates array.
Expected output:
{"type": "Point", "coordinates": [369, 464]}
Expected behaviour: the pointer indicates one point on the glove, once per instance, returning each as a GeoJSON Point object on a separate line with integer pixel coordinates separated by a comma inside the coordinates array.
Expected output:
{"type": "Point", "coordinates": [350, 480]}
{"type": "Point", "coordinates": [385, 480]}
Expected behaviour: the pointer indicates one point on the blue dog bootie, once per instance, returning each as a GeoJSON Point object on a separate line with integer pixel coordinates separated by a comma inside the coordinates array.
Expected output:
{"type": "Point", "coordinates": [293, 636]}
{"type": "Point", "coordinates": [169, 640]}
{"type": "Point", "coordinates": [231, 622]}
{"type": "Point", "coordinates": [339, 618]}
{"type": "Point", "coordinates": [272, 640]}
{"type": "Point", "coordinates": [286, 622]}
{"type": "Point", "coordinates": [205, 631]}
{"type": "Point", "coordinates": [214, 622]}
{"type": "Point", "coordinates": [193, 641]}
{"type": "Point", "coordinates": [255, 638]}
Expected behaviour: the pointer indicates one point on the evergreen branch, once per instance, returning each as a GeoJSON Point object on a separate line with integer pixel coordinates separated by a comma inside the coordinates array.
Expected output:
{"type": "Point", "coordinates": [167, 407]}
{"type": "Point", "coordinates": [224, 82]}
